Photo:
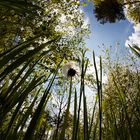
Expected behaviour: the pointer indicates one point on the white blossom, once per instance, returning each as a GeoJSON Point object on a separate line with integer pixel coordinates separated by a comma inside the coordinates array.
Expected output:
{"type": "Point", "coordinates": [71, 69]}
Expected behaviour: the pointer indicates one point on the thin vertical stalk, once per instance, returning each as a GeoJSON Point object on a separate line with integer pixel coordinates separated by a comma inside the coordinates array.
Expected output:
{"type": "Point", "coordinates": [81, 89]}
{"type": "Point", "coordinates": [86, 135]}
{"type": "Point", "coordinates": [93, 112]}
{"type": "Point", "coordinates": [99, 97]}
{"type": "Point", "coordinates": [62, 135]}
{"type": "Point", "coordinates": [75, 115]}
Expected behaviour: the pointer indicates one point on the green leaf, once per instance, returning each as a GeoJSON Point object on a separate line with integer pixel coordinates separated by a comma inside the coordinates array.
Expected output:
{"type": "Point", "coordinates": [84, 4]}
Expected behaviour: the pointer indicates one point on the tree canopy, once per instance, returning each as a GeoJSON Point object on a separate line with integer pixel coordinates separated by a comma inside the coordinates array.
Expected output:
{"type": "Point", "coordinates": [114, 10]}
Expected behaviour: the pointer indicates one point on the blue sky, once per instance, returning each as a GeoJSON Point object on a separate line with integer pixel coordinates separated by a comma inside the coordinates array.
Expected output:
{"type": "Point", "coordinates": [108, 34]}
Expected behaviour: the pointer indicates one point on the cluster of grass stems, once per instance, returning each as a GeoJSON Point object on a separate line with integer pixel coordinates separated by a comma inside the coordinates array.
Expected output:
{"type": "Point", "coordinates": [14, 124]}
{"type": "Point", "coordinates": [23, 100]}
{"type": "Point", "coordinates": [102, 123]}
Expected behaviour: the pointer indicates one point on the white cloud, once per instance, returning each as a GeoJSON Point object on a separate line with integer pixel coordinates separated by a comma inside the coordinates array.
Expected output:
{"type": "Point", "coordinates": [135, 37]}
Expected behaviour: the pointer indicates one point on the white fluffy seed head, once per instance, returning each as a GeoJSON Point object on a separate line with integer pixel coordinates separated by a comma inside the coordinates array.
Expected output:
{"type": "Point", "coordinates": [70, 69]}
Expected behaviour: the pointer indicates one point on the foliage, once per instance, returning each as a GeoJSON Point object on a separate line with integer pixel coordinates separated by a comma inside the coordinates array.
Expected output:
{"type": "Point", "coordinates": [133, 11]}
{"type": "Point", "coordinates": [109, 11]}
{"type": "Point", "coordinates": [37, 101]}
{"type": "Point", "coordinates": [121, 115]}
{"type": "Point", "coordinates": [113, 10]}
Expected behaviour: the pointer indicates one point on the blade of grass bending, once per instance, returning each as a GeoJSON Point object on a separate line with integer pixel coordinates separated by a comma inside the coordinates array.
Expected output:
{"type": "Point", "coordinates": [20, 99]}
{"type": "Point", "coordinates": [24, 118]}
{"type": "Point", "coordinates": [99, 96]}
{"type": "Point", "coordinates": [135, 50]}
{"type": "Point", "coordinates": [62, 135]}
{"type": "Point", "coordinates": [24, 58]}
{"type": "Point", "coordinates": [32, 126]}
{"type": "Point", "coordinates": [17, 86]}
{"type": "Point", "coordinates": [13, 92]}
{"type": "Point", "coordinates": [31, 86]}
{"type": "Point", "coordinates": [10, 54]}
{"type": "Point", "coordinates": [5, 94]}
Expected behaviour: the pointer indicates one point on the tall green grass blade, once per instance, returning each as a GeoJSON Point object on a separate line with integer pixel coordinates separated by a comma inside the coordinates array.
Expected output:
{"type": "Point", "coordinates": [136, 50]}
{"type": "Point", "coordinates": [81, 90]}
{"type": "Point", "coordinates": [26, 115]}
{"type": "Point", "coordinates": [19, 98]}
{"type": "Point", "coordinates": [22, 122]}
{"type": "Point", "coordinates": [123, 101]}
{"type": "Point", "coordinates": [99, 96]}
{"type": "Point", "coordinates": [24, 58]}
{"type": "Point", "coordinates": [75, 115]}
{"type": "Point", "coordinates": [33, 124]}
{"type": "Point", "coordinates": [3, 95]}
{"type": "Point", "coordinates": [13, 93]}
{"type": "Point", "coordinates": [86, 133]}
{"type": "Point", "coordinates": [11, 53]}
{"type": "Point", "coordinates": [92, 118]}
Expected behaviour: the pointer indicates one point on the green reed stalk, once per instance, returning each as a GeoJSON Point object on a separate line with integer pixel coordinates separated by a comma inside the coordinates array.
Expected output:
{"type": "Point", "coordinates": [62, 135]}
{"type": "Point", "coordinates": [81, 91]}
{"type": "Point", "coordinates": [99, 96]}
{"type": "Point", "coordinates": [93, 113]}
{"type": "Point", "coordinates": [75, 115]}
{"type": "Point", "coordinates": [86, 133]}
